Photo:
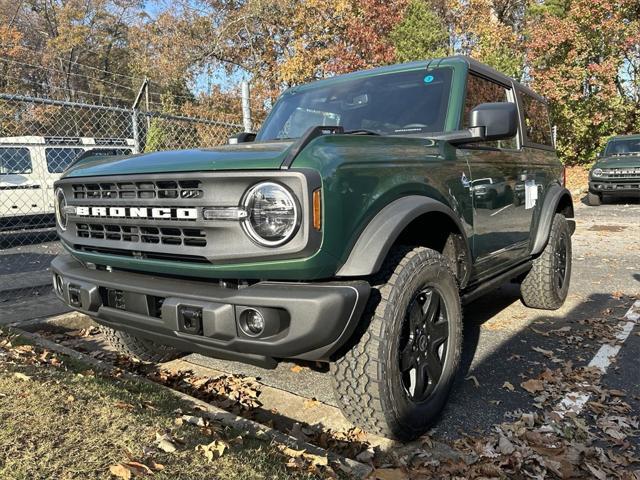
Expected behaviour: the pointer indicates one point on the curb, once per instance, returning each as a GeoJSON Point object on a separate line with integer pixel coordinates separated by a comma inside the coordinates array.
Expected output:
{"type": "Point", "coordinates": [255, 429]}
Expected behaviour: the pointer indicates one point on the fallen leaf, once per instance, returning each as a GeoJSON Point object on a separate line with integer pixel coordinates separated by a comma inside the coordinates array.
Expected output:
{"type": "Point", "coordinates": [214, 449]}
{"type": "Point", "coordinates": [505, 446]}
{"type": "Point", "coordinates": [194, 420]}
{"type": "Point", "coordinates": [165, 443]}
{"type": "Point", "coordinates": [296, 369]}
{"type": "Point", "coordinates": [546, 353]}
{"type": "Point", "coordinates": [22, 376]}
{"type": "Point", "coordinates": [139, 468]}
{"type": "Point", "coordinates": [474, 379]}
{"type": "Point", "coordinates": [389, 474]}
{"type": "Point", "coordinates": [120, 471]}
{"type": "Point", "coordinates": [532, 385]}
{"type": "Point", "coordinates": [509, 386]}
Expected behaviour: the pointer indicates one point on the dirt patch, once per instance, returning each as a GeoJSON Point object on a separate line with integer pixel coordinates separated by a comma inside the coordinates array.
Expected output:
{"type": "Point", "coordinates": [606, 228]}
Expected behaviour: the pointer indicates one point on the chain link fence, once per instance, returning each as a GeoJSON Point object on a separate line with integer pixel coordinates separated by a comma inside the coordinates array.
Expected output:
{"type": "Point", "coordinates": [39, 139]}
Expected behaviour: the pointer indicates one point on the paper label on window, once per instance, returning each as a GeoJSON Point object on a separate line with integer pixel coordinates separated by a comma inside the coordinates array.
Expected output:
{"type": "Point", "coordinates": [530, 194]}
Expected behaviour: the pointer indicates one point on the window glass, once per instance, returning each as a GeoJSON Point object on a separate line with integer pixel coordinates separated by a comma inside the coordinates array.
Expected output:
{"type": "Point", "coordinates": [58, 159]}
{"type": "Point", "coordinates": [536, 118]}
{"type": "Point", "coordinates": [15, 161]}
{"type": "Point", "coordinates": [393, 104]}
{"type": "Point", "coordinates": [627, 146]}
{"type": "Point", "coordinates": [481, 90]}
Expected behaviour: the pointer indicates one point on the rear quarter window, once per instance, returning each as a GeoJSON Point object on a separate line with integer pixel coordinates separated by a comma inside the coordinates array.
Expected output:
{"type": "Point", "coordinates": [536, 119]}
{"type": "Point", "coordinates": [15, 161]}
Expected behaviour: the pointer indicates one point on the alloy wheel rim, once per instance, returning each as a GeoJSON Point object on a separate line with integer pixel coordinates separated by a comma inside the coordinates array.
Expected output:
{"type": "Point", "coordinates": [560, 263]}
{"type": "Point", "coordinates": [423, 344]}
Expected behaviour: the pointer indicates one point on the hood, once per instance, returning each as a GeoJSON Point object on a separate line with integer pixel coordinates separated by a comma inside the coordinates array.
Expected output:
{"type": "Point", "coordinates": [618, 161]}
{"type": "Point", "coordinates": [244, 156]}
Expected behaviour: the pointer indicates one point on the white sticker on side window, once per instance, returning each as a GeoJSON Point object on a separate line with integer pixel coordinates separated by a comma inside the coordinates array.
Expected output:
{"type": "Point", "coordinates": [530, 194]}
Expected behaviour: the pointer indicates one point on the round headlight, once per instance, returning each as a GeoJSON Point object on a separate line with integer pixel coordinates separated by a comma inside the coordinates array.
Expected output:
{"type": "Point", "coordinates": [272, 214]}
{"type": "Point", "coordinates": [60, 202]}
{"type": "Point", "coordinates": [596, 172]}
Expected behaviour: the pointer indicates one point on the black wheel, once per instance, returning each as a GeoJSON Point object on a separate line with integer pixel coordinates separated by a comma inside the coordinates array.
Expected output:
{"type": "Point", "coordinates": [594, 199]}
{"type": "Point", "coordinates": [395, 376]}
{"type": "Point", "coordinates": [547, 283]}
{"type": "Point", "coordinates": [139, 348]}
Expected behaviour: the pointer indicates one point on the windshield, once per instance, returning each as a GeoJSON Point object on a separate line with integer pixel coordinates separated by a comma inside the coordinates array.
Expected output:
{"type": "Point", "coordinates": [391, 104]}
{"type": "Point", "coordinates": [623, 147]}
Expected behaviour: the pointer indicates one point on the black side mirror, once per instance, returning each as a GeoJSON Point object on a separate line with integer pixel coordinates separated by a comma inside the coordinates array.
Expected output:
{"type": "Point", "coordinates": [500, 120]}
{"type": "Point", "coordinates": [243, 137]}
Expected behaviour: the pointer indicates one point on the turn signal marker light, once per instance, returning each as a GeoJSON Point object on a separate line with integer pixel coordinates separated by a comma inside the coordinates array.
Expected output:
{"type": "Point", "coordinates": [317, 209]}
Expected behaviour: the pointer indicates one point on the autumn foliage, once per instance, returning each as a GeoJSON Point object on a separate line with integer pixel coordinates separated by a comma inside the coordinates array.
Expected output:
{"type": "Point", "coordinates": [583, 55]}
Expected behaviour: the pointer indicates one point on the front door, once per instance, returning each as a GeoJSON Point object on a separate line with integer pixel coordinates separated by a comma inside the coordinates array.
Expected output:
{"type": "Point", "coordinates": [499, 183]}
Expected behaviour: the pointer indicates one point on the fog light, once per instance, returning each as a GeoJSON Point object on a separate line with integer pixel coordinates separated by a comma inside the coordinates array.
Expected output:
{"type": "Point", "coordinates": [252, 322]}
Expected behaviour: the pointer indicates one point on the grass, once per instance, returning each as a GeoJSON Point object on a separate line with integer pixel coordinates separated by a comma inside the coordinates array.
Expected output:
{"type": "Point", "coordinates": [66, 422]}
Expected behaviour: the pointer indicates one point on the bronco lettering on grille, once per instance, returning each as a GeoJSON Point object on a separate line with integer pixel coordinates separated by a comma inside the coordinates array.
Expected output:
{"type": "Point", "coordinates": [139, 212]}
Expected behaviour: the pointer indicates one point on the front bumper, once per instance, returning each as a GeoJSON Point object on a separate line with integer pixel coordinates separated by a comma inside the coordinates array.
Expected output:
{"type": "Point", "coordinates": [615, 186]}
{"type": "Point", "coordinates": [307, 321]}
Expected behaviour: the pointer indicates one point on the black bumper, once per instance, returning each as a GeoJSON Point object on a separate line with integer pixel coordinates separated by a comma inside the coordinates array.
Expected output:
{"type": "Point", "coordinates": [307, 321]}
{"type": "Point", "coordinates": [616, 187]}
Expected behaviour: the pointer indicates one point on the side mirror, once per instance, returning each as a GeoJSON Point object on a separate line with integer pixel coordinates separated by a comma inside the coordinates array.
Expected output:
{"type": "Point", "coordinates": [243, 137]}
{"type": "Point", "coordinates": [487, 122]}
{"type": "Point", "coordinates": [500, 120]}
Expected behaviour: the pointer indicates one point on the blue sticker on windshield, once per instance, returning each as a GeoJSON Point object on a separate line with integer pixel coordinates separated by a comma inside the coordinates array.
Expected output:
{"type": "Point", "coordinates": [428, 79]}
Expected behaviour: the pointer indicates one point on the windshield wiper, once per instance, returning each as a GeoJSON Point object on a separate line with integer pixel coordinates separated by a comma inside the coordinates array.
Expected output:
{"type": "Point", "coordinates": [361, 131]}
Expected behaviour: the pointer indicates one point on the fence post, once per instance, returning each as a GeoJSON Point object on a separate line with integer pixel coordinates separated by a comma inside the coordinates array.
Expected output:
{"type": "Point", "coordinates": [136, 130]}
{"type": "Point", "coordinates": [246, 107]}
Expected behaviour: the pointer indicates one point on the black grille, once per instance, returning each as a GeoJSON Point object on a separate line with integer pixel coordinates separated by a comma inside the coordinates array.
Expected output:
{"type": "Point", "coordinates": [188, 237]}
{"type": "Point", "coordinates": [161, 189]}
{"type": "Point", "coordinates": [141, 254]}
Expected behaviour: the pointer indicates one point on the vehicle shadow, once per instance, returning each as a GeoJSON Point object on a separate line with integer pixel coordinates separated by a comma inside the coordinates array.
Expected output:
{"type": "Point", "coordinates": [614, 200]}
{"type": "Point", "coordinates": [508, 356]}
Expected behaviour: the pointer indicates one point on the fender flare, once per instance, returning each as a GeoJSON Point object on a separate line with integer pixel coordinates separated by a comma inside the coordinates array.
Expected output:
{"type": "Point", "coordinates": [554, 196]}
{"type": "Point", "coordinates": [383, 230]}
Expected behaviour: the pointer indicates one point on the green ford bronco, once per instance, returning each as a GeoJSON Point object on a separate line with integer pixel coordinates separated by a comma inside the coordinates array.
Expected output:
{"type": "Point", "coordinates": [348, 230]}
{"type": "Point", "coordinates": [616, 172]}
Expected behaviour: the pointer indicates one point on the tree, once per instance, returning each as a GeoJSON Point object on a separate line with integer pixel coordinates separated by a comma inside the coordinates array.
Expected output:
{"type": "Point", "coordinates": [479, 33]}
{"type": "Point", "coordinates": [585, 60]}
{"type": "Point", "coordinates": [421, 34]}
{"type": "Point", "coordinates": [365, 41]}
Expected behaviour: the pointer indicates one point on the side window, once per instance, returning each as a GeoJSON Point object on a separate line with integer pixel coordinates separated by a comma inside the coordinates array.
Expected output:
{"type": "Point", "coordinates": [15, 161]}
{"type": "Point", "coordinates": [536, 118]}
{"type": "Point", "coordinates": [481, 90]}
{"type": "Point", "coordinates": [58, 159]}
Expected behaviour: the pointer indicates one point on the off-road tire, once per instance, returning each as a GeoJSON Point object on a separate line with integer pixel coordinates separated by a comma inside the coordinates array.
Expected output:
{"type": "Point", "coordinates": [539, 288]}
{"type": "Point", "coordinates": [366, 376]}
{"type": "Point", "coordinates": [593, 199]}
{"type": "Point", "coordinates": [139, 348]}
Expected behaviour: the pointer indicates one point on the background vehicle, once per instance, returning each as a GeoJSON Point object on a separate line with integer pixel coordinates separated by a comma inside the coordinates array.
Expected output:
{"type": "Point", "coordinates": [617, 171]}
{"type": "Point", "coordinates": [346, 231]}
{"type": "Point", "coordinates": [30, 165]}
